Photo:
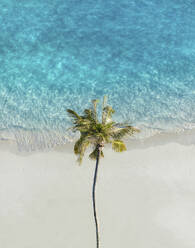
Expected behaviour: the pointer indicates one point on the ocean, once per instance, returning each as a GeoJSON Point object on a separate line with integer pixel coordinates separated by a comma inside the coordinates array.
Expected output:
{"type": "Point", "coordinates": [59, 54]}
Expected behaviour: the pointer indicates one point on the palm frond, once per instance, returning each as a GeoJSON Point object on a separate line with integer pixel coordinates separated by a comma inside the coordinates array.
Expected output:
{"type": "Point", "coordinates": [89, 115]}
{"type": "Point", "coordinates": [73, 114]}
{"type": "Point", "coordinates": [94, 154]}
{"type": "Point", "coordinates": [77, 146]}
{"type": "Point", "coordinates": [95, 102]}
{"type": "Point", "coordinates": [104, 105]}
{"type": "Point", "coordinates": [80, 148]}
{"type": "Point", "coordinates": [118, 146]}
{"type": "Point", "coordinates": [120, 132]}
{"type": "Point", "coordinates": [107, 114]}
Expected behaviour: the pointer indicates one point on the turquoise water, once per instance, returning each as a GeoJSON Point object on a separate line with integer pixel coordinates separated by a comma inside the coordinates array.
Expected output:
{"type": "Point", "coordinates": [59, 54]}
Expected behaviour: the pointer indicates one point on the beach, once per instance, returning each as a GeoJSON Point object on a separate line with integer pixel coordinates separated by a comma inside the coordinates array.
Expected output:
{"type": "Point", "coordinates": [145, 196]}
{"type": "Point", "coordinates": [59, 55]}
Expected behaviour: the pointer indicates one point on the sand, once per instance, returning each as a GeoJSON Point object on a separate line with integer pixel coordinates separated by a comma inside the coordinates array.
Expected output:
{"type": "Point", "coordinates": [145, 197]}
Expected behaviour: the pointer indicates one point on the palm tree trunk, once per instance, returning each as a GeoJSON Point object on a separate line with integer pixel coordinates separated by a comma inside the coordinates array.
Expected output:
{"type": "Point", "coordinates": [93, 196]}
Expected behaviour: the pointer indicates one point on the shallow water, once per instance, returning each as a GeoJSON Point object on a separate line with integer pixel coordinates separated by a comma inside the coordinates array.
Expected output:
{"type": "Point", "coordinates": [59, 54]}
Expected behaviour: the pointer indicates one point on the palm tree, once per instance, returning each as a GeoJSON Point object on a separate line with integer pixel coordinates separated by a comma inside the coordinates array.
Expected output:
{"type": "Point", "coordinates": [96, 134]}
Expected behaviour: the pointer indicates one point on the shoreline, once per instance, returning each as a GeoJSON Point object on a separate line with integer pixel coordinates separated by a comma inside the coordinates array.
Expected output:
{"type": "Point", "coordinates": [186, 138]}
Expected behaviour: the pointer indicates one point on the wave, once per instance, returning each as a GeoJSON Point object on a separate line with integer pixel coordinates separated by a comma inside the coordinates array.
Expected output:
{"type": "Point", "coordinates": [45, 140]}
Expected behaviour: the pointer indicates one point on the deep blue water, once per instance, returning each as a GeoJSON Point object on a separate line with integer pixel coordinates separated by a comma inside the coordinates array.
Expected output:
{"type": "Point", "coordinates": [60, 54]}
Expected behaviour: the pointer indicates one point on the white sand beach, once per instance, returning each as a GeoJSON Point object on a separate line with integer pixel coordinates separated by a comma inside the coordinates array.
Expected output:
{"type": "Point", "coordinates": [145, 197]}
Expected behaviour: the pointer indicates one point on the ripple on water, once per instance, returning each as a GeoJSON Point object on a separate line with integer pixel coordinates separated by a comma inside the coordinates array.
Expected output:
{"type": "Point", "coordinates": [56, 55]}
